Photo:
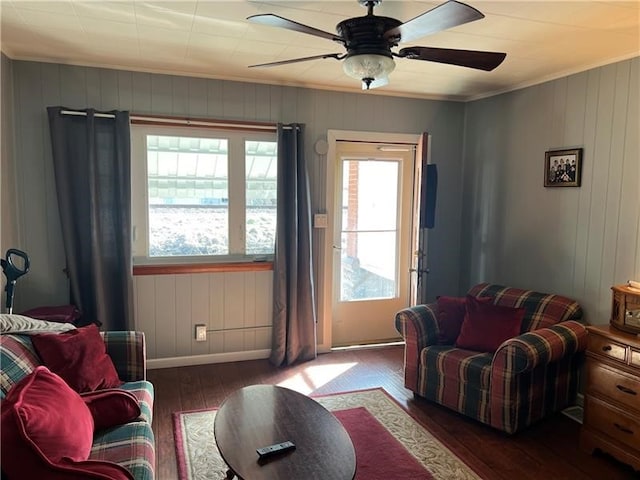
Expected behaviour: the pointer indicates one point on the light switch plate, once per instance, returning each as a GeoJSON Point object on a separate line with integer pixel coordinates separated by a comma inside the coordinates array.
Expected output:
{"type": "Point", "coordinates": [320, 220]}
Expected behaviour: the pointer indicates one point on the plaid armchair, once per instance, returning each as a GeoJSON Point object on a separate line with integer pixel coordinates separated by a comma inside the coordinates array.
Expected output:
{"type": "Point", "coordinates": [528, 377]}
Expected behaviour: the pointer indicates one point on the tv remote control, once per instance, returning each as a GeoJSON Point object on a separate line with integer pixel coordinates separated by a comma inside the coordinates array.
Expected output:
{"type": "Point", "coordinates": [276, 448]}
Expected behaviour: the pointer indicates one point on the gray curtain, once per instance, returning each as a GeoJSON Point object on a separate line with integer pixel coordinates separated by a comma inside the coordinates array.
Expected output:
{"type": "Point", "coordinates": [294, 314]}
{"type": "Point", "coordinates": [92, 166]}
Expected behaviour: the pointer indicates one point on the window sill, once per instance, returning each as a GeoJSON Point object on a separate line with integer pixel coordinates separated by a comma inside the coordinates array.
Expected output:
{"type": "Point", "coordinates": [179, 269]}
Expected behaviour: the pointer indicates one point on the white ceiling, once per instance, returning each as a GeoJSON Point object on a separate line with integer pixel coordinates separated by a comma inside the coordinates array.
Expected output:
{"type": "Point", "coordinates": [208, 38]}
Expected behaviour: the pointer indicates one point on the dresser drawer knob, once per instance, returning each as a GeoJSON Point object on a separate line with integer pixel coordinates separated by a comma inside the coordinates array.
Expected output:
{"type": "Point", "coordinates": [606, 348]}
{"type": "Point", "coordinates": [623, 429]}
{"type": "Point", "coordinates": [624, 389]}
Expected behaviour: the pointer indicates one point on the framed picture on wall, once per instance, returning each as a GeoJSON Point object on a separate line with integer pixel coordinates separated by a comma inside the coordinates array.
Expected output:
{"type": "Point", "coordinates": [563, 168]}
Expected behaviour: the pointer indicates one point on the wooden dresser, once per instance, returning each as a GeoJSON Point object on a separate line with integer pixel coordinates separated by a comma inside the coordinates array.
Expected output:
{"type": "Point", "coordinates": [612, 395]}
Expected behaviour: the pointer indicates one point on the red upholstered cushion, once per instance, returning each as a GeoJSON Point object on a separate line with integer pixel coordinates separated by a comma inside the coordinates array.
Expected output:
{"type": "Point", "coordinates": [79, 357]}
{"type": "Point", "coordinates": [486, 326]}
{"type": "Point", "coordinates": [46, 432]}
{"type": "Point", "coordinates": [451, 312]}
{"type": "Point", "coordinates": [61, 313]}
{"type": "Point", "coordinates": [111, 407]}
{"type": "Point", "coordinates": [43, 420]}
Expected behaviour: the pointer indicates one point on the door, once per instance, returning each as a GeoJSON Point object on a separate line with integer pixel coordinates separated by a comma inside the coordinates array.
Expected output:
{"type": "Point", "coordinates": [372, 244]}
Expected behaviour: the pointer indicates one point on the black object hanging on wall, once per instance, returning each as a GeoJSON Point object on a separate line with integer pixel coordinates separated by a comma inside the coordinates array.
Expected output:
{"type": "Point", "coordinates": [428, 193]}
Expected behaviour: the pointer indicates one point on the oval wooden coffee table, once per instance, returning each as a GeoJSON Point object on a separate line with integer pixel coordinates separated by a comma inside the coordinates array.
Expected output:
{"type": "Point", "coordinates": [262, 415]}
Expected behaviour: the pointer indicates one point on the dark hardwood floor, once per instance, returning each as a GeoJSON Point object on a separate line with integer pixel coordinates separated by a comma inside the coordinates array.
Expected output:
{"type": "Point", "coordinates": [548, 450]}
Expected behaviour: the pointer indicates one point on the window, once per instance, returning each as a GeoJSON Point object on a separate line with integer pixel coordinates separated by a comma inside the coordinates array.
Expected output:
{"type": "Point", "coordinates": [202, 194]}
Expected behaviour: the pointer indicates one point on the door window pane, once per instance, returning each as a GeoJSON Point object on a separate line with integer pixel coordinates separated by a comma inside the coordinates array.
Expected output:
{"type": "Point", "coordinates": [370, 272]}
{"type": "Point", "coordinates": [369, 229]}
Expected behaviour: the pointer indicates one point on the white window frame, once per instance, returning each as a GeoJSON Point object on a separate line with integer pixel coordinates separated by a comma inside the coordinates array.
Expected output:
{"type": "Point", "coordinates": [236, 181]}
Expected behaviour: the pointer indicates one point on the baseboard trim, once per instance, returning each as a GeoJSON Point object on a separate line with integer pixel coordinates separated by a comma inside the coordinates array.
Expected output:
{"type": "Point", "coordinates": [170, 362]}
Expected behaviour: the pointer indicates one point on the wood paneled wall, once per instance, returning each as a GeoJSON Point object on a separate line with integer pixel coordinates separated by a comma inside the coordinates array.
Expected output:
{"type": "Point", "coordinates": [573, 241]}
{"type": "Point", "coordinates": [38, 85]}
{"type": "Point", "coordinates": [236, 307]}
{"type": "Point", "coordinates": [8, 212]}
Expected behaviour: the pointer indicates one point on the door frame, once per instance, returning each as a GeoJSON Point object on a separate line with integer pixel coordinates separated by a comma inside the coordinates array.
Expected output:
{"type": "Point", "coordinates": [325, 292]}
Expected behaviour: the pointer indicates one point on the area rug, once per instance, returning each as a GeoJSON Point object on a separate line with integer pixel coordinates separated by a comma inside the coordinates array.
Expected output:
{"type": "Point", "coordinates": [389, 443]}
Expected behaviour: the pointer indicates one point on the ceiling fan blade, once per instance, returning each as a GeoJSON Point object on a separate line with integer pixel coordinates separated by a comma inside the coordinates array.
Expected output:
{"type": "Point", "coordinates": [378, 82]}
{"type": "Point", "coordinates": [272, 20]}
{"type": "Point", "coordinates": [447, 15]}
{"type": "Point", "coordinates": [337, 56]}
{"type": "Point", "coordinates": [464, 58]}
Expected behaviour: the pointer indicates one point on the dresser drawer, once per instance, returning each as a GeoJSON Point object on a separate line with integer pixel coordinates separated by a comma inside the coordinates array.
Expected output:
{"type": "Point", "coordinates": [635, 357]}
{"type": "Point", "coordinates": [606, 347]}
{"type": "Point", "coordinates": [618, 386]}
{"type": "Point", "coordinates": [612, 422]}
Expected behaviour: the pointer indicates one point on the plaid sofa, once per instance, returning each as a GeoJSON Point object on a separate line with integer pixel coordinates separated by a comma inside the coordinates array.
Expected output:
{"type": "Point", "coordinates": [527, 378]}
{"type": "Point", "coordinates": [131, 445]}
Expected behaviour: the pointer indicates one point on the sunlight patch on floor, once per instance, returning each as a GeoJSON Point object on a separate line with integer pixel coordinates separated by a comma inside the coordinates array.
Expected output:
{"type": "Point", "coordinates": [315, 376]}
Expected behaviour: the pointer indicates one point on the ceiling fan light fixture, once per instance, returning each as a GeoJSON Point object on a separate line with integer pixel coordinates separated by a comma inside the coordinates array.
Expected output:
{"type": "Point", "coordinates": [367, 65]}
{"type": "Point", "coordinates": [369, 41]}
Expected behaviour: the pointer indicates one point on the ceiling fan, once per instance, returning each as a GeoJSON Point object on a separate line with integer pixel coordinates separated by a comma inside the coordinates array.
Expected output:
{"type": "Point", "coordinates": [369, 40]}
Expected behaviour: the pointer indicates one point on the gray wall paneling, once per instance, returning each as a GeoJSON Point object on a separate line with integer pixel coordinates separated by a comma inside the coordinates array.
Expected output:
{"type": "Point", "coordinates": [39, 228]}
{"type": "Point", "coordinates": [574, 241]}
{"type": "Point", "coordinates": [9, 229]}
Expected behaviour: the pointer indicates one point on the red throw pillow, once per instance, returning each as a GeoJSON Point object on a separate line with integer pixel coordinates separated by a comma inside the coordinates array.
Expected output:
{"type": "Point", "coordinates": [43, 421]}
{"type": "Point", "coordinates": [451, 312]}
{"type": "Point", "coordinates": [486, 326]}
{"type": "Point", "coordinates": [46, 431]}
{"type": "Point", "coordinates": [79, 357]}
{"type": "Point", "coordinates": [62, 313]}
{"type": "Point", "coordinates": [111, 407]}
